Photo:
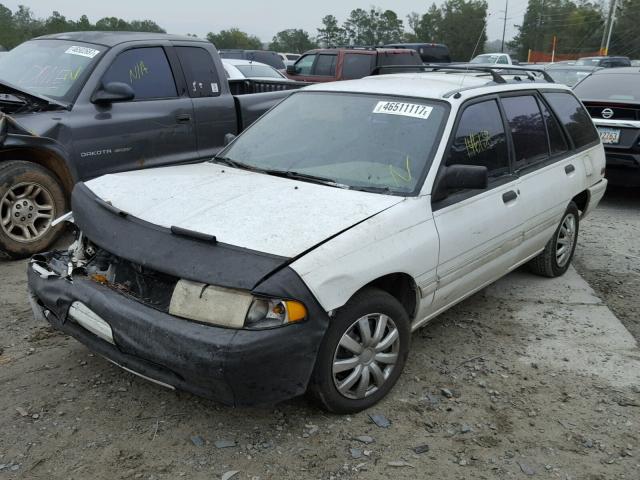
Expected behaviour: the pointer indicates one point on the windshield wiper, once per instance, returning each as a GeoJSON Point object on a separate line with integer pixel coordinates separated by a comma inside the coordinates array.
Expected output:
{"type": "Point", "coordinates": [372, 189]}
{"type": "Point", "coordinates": [232, 163]}
{"type": "Point", "coordinates": [305, 177]}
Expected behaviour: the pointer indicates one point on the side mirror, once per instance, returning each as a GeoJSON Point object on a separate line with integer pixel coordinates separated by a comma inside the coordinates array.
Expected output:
{"type": "Point", "coordinates": [457, 177]}
{"type": "Point", "coordinates": [292, 70]}
{"type": "Point", "coordinates": [114, 92]}
{"type": "Point", "coordinates": [228, 138]}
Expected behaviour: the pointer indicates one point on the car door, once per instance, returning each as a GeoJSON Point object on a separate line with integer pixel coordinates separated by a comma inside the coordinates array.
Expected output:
{"type": "Point", "coordinates": [214, 107]}
{"type": "Point", "coordinates": [551, 169]}
{"type": "Point", "coordinates": [479, 230]}
{"type": "Point", "coordinates": [155, 128]}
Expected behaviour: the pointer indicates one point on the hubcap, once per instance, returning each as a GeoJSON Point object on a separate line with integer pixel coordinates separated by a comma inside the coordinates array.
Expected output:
{"type": "Point", "coordinates": [366, 356]}
{"type": "Point", "coordinates": [26, 212]}
{"type": "Point", "coordinates": [566, 239]}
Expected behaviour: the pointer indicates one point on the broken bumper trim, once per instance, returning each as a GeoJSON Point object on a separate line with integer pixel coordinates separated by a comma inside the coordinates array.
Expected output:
{"type": "Point", "coordinates": [235, 367]}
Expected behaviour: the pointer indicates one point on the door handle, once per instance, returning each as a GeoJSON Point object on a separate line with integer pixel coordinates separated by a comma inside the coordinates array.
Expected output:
{"type": "Point", "coordinates": [569, 169]}
{"type": "Point", "coordinates": [509, 196]}
{"type": "Point", "coordinates": [185, 118]}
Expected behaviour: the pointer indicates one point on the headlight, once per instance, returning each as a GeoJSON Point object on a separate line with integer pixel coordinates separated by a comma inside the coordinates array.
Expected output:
{"type": "Point", "coordinates": [232, 308]}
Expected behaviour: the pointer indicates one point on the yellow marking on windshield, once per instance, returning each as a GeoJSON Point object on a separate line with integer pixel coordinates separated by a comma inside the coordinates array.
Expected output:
{"type": "Point", "coordinates": [395, 174]}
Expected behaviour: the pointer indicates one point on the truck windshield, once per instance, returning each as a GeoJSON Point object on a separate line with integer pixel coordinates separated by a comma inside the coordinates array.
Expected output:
{"type": "Point", "coordinates": [362, 141]}
{"type": "Point", "coordinates": [49, 67]}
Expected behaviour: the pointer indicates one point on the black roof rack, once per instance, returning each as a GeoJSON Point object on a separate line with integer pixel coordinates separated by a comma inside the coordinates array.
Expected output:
{"type": "Point", "coordinates": [494, 71]}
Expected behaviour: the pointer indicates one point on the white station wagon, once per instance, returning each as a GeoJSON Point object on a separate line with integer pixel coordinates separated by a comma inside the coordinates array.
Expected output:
{"type": "Point", "coordinates": [282, 267]}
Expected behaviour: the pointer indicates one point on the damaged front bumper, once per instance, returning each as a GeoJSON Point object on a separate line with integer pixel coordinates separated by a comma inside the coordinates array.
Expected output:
{"type": "Point", "coordinates": [234, 366]}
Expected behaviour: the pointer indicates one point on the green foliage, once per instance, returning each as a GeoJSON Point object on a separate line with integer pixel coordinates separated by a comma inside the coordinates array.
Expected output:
{"type": "Point", "coordinates": [577, 26]}
{"type": "Point", "coordinates": [21, 25]}
{"type": "Point", "coordinates": [625, 39]}
{"type": "Point", "coordinates": [331, 34]}
{"type": "Point", "coordinates": [234, 38]}
{"type": "Point", "coordinates": [292, 41]}
{"type": "Point", "coordinates": [374, 27]}
{"type": "Point", "coordinates": [460, 24]}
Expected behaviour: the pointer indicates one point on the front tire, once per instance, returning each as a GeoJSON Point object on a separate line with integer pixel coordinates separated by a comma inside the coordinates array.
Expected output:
{"type": "Point", "coordinates": [31, 197]}
{"type": "Point", "coordinates": [558, 253]}
{"type": "Point", "coordinates": [362, 354]}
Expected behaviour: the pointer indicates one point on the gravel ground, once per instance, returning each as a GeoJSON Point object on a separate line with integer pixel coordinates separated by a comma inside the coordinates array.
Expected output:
{"type": "Point", "coordinates": [608, 254]}
{"type": "Point", "coordinates": [530, 378]}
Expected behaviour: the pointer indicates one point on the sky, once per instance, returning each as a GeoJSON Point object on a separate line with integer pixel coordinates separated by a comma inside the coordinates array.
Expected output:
{"type": "Point", "coordinates": [263, 18]}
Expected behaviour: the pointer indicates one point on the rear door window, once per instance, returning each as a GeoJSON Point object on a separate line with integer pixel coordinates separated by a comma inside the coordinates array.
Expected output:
{"type": "Point", "coordinates": [200, 72]}
{"type": "Point", "coordinates": [356, 66]}
{"type": "Point", "coordinates": [527, 129]}
{"type": "Point", "coordinates": [147, 70]}
{"type": "Point", "coordinates": [574, 117]}
{"type": "Point", "coordinates": [557, 142]}
{"type": "Point", "coordinates": [325, 66]}
{"type": "Point", "coordinates": [480, 139]}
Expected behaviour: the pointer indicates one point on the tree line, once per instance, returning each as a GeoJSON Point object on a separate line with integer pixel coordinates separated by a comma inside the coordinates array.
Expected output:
{"type": "Point", "coordinates": [577, 25]}
{"type": "Point", "coordinates": [21, 25]}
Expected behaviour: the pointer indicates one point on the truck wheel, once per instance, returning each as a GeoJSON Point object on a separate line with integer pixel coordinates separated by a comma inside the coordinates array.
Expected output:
{"type": "Point", "coordinates": [556, 256]}
{"type": "Point", "coordinates": [363, 353]}
{"type": "Point", "coordinates": [31, 197]}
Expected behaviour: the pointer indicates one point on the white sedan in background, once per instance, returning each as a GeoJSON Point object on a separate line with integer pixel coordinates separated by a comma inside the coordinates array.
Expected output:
{"type": "Point", "coordinates": [241, 69]}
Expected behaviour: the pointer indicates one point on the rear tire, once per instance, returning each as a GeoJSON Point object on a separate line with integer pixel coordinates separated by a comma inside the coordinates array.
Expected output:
{"type": "Point", "coordinates": [31, 197]}
{"type": "Point", "coordinates": [376, 330]}
{"type": "Point", "coordinates": [556, 257]}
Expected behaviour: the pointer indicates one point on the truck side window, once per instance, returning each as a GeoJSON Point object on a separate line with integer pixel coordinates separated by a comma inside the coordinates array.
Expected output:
{"type": "Point", "coordinates": [527, 129]}
{"type": "Point", "coordinates": [574, 117]}
{"type": "Point", "coordinates": [356, 66]}
{"type": "Point", "coordinates": [200, 72]}
{"type": "Point", "coordinates": [480, 139]}
{"type": "Point", "coordinates": [303, 66]}
{"type": "Point", "coordinates": [325, 65]}
{"type": "Point", "coordinates": [147, 70]}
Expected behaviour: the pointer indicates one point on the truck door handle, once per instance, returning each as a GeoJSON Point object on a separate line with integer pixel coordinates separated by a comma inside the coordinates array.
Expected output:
{"type": "Point", "coordinates": [185, 118]}
{"type": "Point", "coordinates": [569, 169]}
{"type": "Point", "coordinates": [509, 196]}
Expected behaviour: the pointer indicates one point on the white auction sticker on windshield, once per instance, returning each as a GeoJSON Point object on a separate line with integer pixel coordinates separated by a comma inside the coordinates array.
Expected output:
{"type": "Point", "coordinates": [82, 51]}
{"type": "Point", "coordinates": [415, 110]}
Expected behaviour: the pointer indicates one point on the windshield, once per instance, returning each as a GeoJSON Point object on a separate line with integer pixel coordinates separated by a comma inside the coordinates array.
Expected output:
{"type": "Point", "coordinates": [48, 67]}
{"type": "Point", "coordinates": [255, 71]}
{"type": "Point", "coordinates": [569, 76]}
{"type": "Point", "coordinates": [610, 86]}
{"type": "Point", "coordinates": [485, 59]}
{"type": "Point", "coordinates": [592, 62]}
{"type": "Point", "coordinates": [361, 141]}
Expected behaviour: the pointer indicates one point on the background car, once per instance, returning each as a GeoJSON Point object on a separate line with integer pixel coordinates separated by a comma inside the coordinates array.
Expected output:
{"type": "Point", "coordinates": [262, 56]}
{"type": "Point", "coordinates": [494, 59]}
{"type": "Point", "coordinates": [429, 52]}
{"type": "Point", "coordinates": [569, 74]}
{"type": "Point", "coordinates": [334, 64]}
{"type": "Point", "coordinates": [242, 69]}
{"type": "Point", "coordinates": [612, 97]}
{"type": "Point", "coordinates": [605, 62]}
{"type": "Point", "coordinates": [289, 58]}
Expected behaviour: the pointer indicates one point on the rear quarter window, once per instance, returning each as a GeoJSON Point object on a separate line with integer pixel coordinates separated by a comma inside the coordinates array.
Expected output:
{"type": "Point", "coordinates": [574, 117]}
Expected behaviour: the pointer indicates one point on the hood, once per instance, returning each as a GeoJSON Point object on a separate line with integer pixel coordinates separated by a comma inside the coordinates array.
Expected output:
{"type": "Point", "coordinates": [260, 212]}
{"type": "Point", "coordinates": [12, 90]}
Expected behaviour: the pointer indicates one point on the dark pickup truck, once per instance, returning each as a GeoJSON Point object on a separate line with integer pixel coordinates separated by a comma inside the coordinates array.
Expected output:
{"type": "Point", "coordinates": [75, 106]}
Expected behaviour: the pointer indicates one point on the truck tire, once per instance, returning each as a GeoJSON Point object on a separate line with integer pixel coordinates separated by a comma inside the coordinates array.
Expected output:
{"type": "Point", "coordinates": [556, 257]}
{"type": "Point", "coordinates": [362, 354]}
{"type": "Point", "coordinates": [31, 197]}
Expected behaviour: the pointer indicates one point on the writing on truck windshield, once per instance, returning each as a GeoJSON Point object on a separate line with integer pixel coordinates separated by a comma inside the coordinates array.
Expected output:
{"type": "Point", "coordinates": [48, 67]}
{"type": "Point", "coordinates": [356, 140]}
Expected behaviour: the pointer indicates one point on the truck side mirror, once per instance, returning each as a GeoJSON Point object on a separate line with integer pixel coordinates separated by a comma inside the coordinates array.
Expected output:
{"type": "Point", "coordinates": [292, 70]}
{"type": "Point", "coordinates": [458, 177]}
{"type": "Point", "coordinates": [114, 92]}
